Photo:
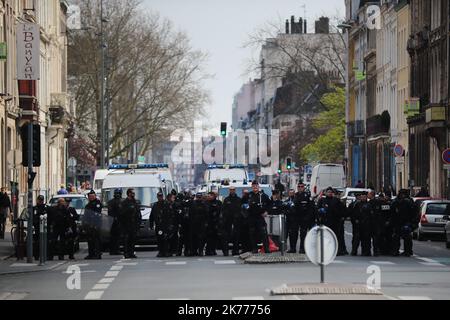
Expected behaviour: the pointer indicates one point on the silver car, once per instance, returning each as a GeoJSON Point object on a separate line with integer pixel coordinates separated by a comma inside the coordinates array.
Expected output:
{"type": "Point", "coordinates": [432, 221]}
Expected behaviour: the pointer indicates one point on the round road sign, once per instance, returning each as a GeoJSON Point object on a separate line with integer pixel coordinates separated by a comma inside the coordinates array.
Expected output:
{"type": "Point", "coordinates": [398, 150]}
{"type": "Point", "coordinates": [312, 245]}
{"type": "Point", "coordinates": [446, 156]}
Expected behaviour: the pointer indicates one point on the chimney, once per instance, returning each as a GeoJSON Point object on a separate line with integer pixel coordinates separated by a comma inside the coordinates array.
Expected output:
{"type": "Point", "coordinates": [300, 25]}
{"type": "Point", "coordinates": [293, 25]}
{"type": "Point", "coordinates": [304, 26]}
{"type": "Point", "coordinates": [322, 25]}
{"type": "Point", "coordinates": [287, 26]}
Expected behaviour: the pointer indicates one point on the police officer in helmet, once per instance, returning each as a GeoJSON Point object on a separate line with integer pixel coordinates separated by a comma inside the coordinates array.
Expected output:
{"type": "Point", "coordinates": [114, 212]}
{"type": "Point", "coordinates": [91, 223]}
{"type": "Point", "coordinates": [130, 221]}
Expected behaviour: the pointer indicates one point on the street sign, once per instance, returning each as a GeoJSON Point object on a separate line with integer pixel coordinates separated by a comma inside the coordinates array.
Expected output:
{"type": "Point", "coordinates": [141, 159]}
{"type": "Point", "coordinates": [312, 245]}
{"type": "Point", "coordinates": [446, 156]}
{"type": "Point", "coordinates": [398, 150]}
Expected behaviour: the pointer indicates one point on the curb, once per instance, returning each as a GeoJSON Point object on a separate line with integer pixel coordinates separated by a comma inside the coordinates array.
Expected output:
{"type": "Point", "coordinates": [38, 270]}
{"type": "Point", "coordinates": [273, 258]}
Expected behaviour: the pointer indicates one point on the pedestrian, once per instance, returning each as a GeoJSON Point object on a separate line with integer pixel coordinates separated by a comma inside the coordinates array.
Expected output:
{"type": "Point", "coordinates": [280, 187]}
{"type": "Point", "coordinates": [359, 184]}
{"type": "Point", "coordinates": [198, 220]}
{"type": "Point", "coordinates": [259, 204]}
{"type": "Point", "coordinates": [62, 190]}
{"type": "Point", "coordinates": [130, 221]}
{"type": "Point", "coordinates": [114, 213]}
{"type": "Point", "coordinates": [331, 213]}
{"type": "Point", "coordinates": [230, 222]}
{"type": "Point", "coordinates": [39, 210]}
{"type": "Point", "coordinates": [5, 209]}
{"type": "Point", "coordinates": [92, 223]}
{"type": "Point", "coordinates": [212, 231]}
{"type": "Point", "coordinates": [423, 193]}
{"type": "Point", "coordinates": [161, 219]}
{"type": "Point", "coordinates": [302, 218]}
{"type": "Point", "coordinates": [403, 221]}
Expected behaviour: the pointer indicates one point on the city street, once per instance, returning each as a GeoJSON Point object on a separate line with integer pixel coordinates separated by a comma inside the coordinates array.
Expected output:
{"type": "Point", "coordinates": [424, 276]}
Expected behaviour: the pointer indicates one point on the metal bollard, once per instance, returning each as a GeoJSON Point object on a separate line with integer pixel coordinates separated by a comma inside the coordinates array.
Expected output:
{"type": "Point", "coordinates": [281, 221]}
{"type": "Point", "coordinates": [41, 240]}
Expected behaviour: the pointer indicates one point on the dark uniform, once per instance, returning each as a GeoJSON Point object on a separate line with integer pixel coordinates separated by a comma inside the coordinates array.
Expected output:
{"type": "Point", "coordinates": [177, 210]}
{"type": "Point", "coordinates": [301, 217]}
{"type": "Point", "coordinates": [331, 213]}
{"type": "Point", "coordinates": [162, 218]}
{"type": "Point", "coordinates": [244, 234]}
{"type": "Point", "coordinates": [276, 209]}
{"type": "Point", "coordinates": [403, 221]}
{"type": "Point", "coordinates": [212, 230]}
{"type": "Point", "coordinates": [385, 227]}
{"type": "Point", "coordinates": [5, 204]}
{"type": "Point", "coordinates": [91, 223]}
{"type": "Point", "coordinates": [130, 221]}
{"type": "Point", "coordinates": [198, 221]}
{"type": "Point", "coordinates": [184, 227]}
{"type": "Point", "coordinates": [38, 211]}
{"type": "Point", "coordinates": [259, 203]}
{"type": "Point", "coordinates": [356, 226]}
{"type": "Point", "coordinates": [114, 212]}
{"type": "Point", "coordinates": [362, 217]}
{"type": "Point", "coordinates": [63, 231]}
{"type": "Point", "coordinates": [230, 226]}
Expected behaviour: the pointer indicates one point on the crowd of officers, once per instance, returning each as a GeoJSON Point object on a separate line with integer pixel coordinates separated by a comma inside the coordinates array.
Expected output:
{"type": "Point", "coordinates": [200, 225]}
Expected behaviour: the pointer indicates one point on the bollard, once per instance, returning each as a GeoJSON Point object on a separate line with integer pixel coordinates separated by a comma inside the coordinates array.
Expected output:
{"type": "Point", "coordinates": [322, 267]}
{"type": "Point", "coordinates": [281, 220]}
{"type": "Point", "coordinates": [41, 240]}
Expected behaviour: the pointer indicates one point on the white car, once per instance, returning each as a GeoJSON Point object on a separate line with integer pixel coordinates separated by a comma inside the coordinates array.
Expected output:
{"type": "Point", "coordinates": [432, 221]}
{"type": "Point", "coordinates": [349, 195]}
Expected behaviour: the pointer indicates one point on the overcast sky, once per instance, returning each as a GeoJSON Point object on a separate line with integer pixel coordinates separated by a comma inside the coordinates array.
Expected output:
{"type": "Point", "coordinates": [221, 27]}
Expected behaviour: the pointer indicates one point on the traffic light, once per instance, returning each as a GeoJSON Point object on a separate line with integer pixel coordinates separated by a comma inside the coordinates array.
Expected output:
{"type": "Point", "coordinates": [279, 169]}
{"type": "Point", "coordinates": [288, 163]}
{"type": "Point", "coordinates": [36, 145]}
{"type": "Point", "coordinates": [223, 129]}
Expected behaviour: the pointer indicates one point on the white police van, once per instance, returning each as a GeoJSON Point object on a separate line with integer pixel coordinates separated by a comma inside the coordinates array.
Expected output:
{"type": "Point", "coordinates": [146, 180]}
{"type": "Point", "coordinates": [216, 174]}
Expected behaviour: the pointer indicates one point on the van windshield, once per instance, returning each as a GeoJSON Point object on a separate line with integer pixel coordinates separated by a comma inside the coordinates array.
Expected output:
{"type": "Point", "coordinates": [146, 195]}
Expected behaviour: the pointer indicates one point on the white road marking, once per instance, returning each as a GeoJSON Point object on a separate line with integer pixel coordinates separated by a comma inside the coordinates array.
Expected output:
{"type": "Point", "coordinates": [338, 261]}
{"type": "Point", "coordinates": [175, 263]}
{"type": "Point", "coordinates": [93, 295]}
{"type": "Point", "coordinates": [414, 298]}
{"type": "Point", "coordinates": [101, 286]}
{"type": "Point", "coordinates": [173, 299]}
{"type": "Point", "coordinates": [433, 264]}
{"type": "Point", "coordinates": [18, 264]}
{"type": "Point", "coordinates": [83, 271]}
{"type": "Point", "coordinates": [248, 298]}
{"type": "Point", "coordinates": [224, 262]}
{"type": "Point", "coordinates": [382, 262]}
{"type": "Point", "coordinates": [111, 274]}
{"type": "Point", "coordinates": [116, 268]}
{"type": "Point", "coordinates": [127, 264]}
{"type": "Point", "coordinates": [81, 264]}
{"type": "Point", "coordinates": [106, 280]}
{"type": "Point", "coordinates": [427, 260]}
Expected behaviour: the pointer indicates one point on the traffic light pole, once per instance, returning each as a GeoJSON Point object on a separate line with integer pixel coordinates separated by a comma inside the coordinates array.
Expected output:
{"type": "Point", "coordinates": [30, 195]}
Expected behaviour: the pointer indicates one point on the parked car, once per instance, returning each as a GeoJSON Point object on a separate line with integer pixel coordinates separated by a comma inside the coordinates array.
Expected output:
{"type": "Point", "coordinates": [349, 195]}
{"type": "Point", "coordinates": [432, 220]}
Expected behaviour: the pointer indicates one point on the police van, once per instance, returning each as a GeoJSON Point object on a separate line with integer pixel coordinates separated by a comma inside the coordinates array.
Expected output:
{"type": "Point", "coordinates": [146, 180]}
{"type": "Point", "coordinates": [216, 174]}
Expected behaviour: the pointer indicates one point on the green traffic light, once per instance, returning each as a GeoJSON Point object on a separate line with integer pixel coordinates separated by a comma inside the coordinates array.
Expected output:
{"type": "Point", "coordinates": [223, 133]}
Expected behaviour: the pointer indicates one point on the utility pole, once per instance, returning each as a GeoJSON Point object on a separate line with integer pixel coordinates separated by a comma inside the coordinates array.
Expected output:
{"type": "Point", "coordinates": [31, 176]}
{"type": "Point", "coordinates": [102, 89]}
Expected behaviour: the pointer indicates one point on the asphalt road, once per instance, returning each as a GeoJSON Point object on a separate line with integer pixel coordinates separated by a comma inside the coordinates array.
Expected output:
{"type": "Point", "coordinates": [424, 276]}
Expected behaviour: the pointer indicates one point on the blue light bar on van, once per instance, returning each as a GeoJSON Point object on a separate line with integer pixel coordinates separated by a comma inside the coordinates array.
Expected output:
{"type": "Point", "coordinates": [226, 166]}
{"type": "Point", "coordinates": [139, 166]}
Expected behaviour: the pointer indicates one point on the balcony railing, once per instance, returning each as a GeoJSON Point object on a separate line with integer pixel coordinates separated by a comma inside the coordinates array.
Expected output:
{"type": "Point", "coordinates": [378, 124]}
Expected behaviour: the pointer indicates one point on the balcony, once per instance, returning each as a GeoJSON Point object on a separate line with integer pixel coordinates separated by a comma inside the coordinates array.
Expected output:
{"type": "Point", "coordinates": [58, 109]}
{"type": "Point", "coordinates": [378, 124]}
{"type": "Point", "coordinates": [435, 116]}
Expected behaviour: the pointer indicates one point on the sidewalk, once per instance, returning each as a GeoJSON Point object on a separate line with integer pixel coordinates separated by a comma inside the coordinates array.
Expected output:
{"type": "Point", "coordinates": [9, 263]}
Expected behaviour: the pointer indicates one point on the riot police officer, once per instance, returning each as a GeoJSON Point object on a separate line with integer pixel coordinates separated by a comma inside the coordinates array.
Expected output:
{"type": "Point", "coordinates": [355, 219]}
{"type": "Point", "coordinates": [91, 223]}
{"type": "Point", "coordinates": [374, 228]}
{"type": "Point", "coordinates": [198, 220]}
{"type": "Point", "coordinates": [162, 217]}
{"type": "Point", "coordinates": [64, 229]}
{"type": "Point", "coordinates": [276, 209]}
{"type": "Point", "coordinates": [130, 221]}
{"type": "Point", "coordinates": [40, 209]}
{"type": "Point", "coordinates": [302, 217]}
{"type": "Point", "coordinates": [114, 212]}
{"type": "Point", "coordinates": [214, 210]}
{"type": "Point", "coordinates": [361, 218]}
{"type": "Point", "coordinates": [331, 212]}
{"type": "Point", "coordinates": [230, 222]}
{"type": "Point", "coordinates": [177, 209]}
{"type": "Point", "coordinates": [403, 221]}
{"type": "Point", "coordinates": [244, 238]}
{"type": "Point", "coordinates": [385, 235]}
{"type": "Point", "coordinates": [259, 204]}
{"type": "Point", "coordinates": [184, 226]}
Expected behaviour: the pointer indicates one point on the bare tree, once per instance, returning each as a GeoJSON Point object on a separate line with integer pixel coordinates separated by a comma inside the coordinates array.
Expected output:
{"type": "Point", "coordinates": [154, 78]}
